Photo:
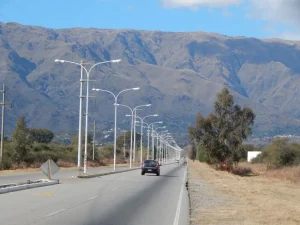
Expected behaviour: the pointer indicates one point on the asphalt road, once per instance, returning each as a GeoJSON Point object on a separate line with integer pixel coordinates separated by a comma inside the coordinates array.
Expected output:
{"type": "Point", "coordinates": [62, 174]}
{"type": "Point", "coordinates": [120, 199]}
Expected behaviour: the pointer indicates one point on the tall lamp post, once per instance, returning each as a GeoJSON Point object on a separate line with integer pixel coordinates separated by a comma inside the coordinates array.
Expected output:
{"type": "Point", "coordinates": [116, 105]}
{"type": "Point", "coordinates": [87, 107]}
{"type": "Point", "coordinates": [154, 131]}
{"type": "Point", "coordinates": [142, 121]}
{"type": "Point", "coordinates": [132, 124]}
{"type": "Point", "coordinates": [157, 134]}
{"type": "Point", "coordinates": [151, 124]}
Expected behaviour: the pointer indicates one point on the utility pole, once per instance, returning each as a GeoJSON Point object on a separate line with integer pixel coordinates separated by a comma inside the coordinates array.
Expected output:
{"type": "Point", "coordinates": [3, 103]}
{"type": "Point", "coordinates": [94, 140]}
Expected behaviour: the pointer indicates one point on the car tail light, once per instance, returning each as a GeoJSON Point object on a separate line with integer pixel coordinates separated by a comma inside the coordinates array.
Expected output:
{"type": "Point", "coordinates": [156, 166]}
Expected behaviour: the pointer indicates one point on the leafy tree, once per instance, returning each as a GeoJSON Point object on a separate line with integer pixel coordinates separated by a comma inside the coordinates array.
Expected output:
{"type": "Point", "coordinates": [89, 139]}
{"type": "Point", "coordinates": [41, 135]}
{"type": "Point", "coordinates": [21, 140]}
{"type": "Point", "coordinates": [120, 140]}
{"type": "Point", "coordinates": [223, 132]}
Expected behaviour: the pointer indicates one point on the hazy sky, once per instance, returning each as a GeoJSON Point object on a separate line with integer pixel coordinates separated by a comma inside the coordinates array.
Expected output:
{"type": "Point", "coordinates": [255, 18]}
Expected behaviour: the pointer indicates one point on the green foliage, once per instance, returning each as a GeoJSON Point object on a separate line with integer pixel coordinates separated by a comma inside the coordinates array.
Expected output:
{"type": "Point", "coordinates": [279, 153]}
{"type": "Point", "coordinates": [89, 139]}
{"type": "Point", "coordinates": [107, 152]}
{"type": "Point", "coordinates": [41, 135]}
{"type": "Point", "coordinates": [20, 140]}
{"type": "Point", "coordinates": [32, 147]}
{"type": "Point", "coordinates": [202, 153]}
{"type": "Point", "coordinates": [127, 135]}
{"type": "Point", "coordinates": [223, 132]}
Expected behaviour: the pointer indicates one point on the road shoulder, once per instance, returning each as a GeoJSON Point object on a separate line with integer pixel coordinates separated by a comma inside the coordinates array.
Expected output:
{"type": "Point", "coordinates": [218, 197]}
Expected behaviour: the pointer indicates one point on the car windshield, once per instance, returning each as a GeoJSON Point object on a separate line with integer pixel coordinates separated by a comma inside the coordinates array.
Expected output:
{"type": "Point", "coordinates": [150, 162]}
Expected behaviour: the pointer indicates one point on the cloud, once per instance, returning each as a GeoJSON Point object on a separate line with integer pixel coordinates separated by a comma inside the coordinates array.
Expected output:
{"type": "Point", "coordinates": [282, 15]}
{"type": "Point", "coordinates": [199, 3]}
{"type": "Point", "coordinates": [278, 13]}
{"type": "Point", "coordinates": [286, 11]}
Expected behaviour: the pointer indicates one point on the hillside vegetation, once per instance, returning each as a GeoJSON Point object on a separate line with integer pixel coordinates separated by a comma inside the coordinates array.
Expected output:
{"type": "Point", "coordinates": [179, 74]}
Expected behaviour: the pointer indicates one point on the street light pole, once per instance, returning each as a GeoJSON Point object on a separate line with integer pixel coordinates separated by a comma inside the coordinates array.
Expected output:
{"type": "Point", "coordinates": [148, 133]}
{"type": "Point", "coordinates": [116, 105]}
{"type": "Point", "coordinates": [150, 126]}
{"type": "Point", "coordinates": [132, 117]}
{"type": "Point", "coordinates": [3, 103]}
{"type": "Point", "coordinates": [87, 100]}
{"type": "Point", "coordinates": [94, 140]}
{"type": "Point", "coordinates": [134, 135]}
{"type": "Point", "coordinates": [142, 121]}
{"type": "Point", "coordinates": [141, 143]}
{"type": "Point", "coordinates": [153, 143]}
{"type": "Point", "coordinates": [80, 117]}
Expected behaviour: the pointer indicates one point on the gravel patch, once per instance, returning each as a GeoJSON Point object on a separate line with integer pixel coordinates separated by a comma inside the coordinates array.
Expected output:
{"type": "Point", "coordinates": [203, 195]}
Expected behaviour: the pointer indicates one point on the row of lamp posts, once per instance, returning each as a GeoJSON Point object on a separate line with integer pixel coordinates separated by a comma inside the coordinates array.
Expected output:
{"type": "Point", "coordinates": [163, 137]}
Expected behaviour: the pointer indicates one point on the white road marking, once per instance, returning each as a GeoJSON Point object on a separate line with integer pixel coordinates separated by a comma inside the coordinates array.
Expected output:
{"type": "Point", "coordinates": [176, 220]}
{"type": "Point", "coordinates": [55, 213]}
{"type": "Point", "coordinates": [93, 197]}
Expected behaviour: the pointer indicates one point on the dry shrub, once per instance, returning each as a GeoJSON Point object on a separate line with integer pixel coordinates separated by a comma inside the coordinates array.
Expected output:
{"type": "Point", "coordinates": [94, 164]}
{"type": "Point", "coordinates": [242, 171]}
{"type": "Point", "coordinates": [35, 165]}
{"type": "Point", "coordinates": [287, 173]}
{"type": "Point", "coordinates": [257, 168]}
{"type": "Point", "coordinates": [21, 165]}
{"type": "Point", "coordinates": [65, 164]}
{"type": "Point", "coordinates": [107, 161]}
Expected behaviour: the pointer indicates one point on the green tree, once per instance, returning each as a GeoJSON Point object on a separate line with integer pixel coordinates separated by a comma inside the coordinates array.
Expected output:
{"type": "Point", "coordinates": [223, 132]}
{"type": "Point", "coordinates": [21, 140]}
{"type": "Point", "coordinates": [75, 139]}
{"type": "Point", "coordinates": [41, 135]}
{"type": "Point", "coordinates": [120, 140]}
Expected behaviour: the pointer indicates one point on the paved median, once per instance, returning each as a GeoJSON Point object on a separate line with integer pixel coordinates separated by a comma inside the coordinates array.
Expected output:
{"type": "Point", "coordinates": [23, 186]}
{"type": "Point", "coordinates": [92, 175]}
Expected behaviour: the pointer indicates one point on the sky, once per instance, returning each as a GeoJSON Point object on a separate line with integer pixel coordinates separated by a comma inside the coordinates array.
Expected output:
{"type": "Point", "coordinates": [250, 18]}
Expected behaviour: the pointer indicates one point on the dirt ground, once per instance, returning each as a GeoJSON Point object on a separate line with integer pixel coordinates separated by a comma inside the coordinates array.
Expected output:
{"type": "Point", "coordinates": [218, 198]}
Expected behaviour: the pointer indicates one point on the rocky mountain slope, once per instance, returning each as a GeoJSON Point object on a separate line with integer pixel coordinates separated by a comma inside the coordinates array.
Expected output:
{"type": "Point", "coordinates": [179, 74]}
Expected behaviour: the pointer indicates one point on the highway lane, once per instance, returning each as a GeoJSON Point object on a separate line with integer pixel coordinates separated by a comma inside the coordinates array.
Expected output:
{"type": "Point", "coordinates": [62, 174]}
{"type": "Point", "coordinates": [119, 199]}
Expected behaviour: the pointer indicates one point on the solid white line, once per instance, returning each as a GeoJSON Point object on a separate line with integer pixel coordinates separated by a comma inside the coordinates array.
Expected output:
{"type": "Point", "coordinates": [56, 212]}
{"type": "Point", "coordinates": [176, 220]}
{"type": "Point", "coordinates": [93, 197]}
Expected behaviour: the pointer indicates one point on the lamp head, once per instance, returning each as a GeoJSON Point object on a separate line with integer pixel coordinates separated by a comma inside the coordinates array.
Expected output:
{"type": "Point", "coordinates": [116, 60]}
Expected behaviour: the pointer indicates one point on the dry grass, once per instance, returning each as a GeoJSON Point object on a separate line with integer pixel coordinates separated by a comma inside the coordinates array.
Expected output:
{"type": "Point", "coordinates": [291, 174]}
{"type": "Point", "coordinates": [288, 173]}
{"type": "Point", "coordinates": [256, 199]}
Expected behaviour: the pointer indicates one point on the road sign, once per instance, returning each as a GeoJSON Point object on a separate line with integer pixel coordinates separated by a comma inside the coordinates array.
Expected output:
{"type": "Point", "coordinates": [49, 168]}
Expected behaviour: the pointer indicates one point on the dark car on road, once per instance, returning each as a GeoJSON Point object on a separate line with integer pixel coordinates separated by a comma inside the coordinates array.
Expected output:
{"type": "Point", "coordinates": [150, 166]}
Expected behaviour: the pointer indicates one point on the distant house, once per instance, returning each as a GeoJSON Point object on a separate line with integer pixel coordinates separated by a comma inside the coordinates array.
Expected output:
{"type": "Point", "coordinates": [252, 154]}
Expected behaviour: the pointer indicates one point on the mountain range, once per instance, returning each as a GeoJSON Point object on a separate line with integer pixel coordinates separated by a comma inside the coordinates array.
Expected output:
{"type": "Point", "coordinates": [179, 73]}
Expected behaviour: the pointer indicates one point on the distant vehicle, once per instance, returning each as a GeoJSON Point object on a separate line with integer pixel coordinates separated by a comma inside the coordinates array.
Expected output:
{"type": "Point", "coordinates": [150, 166]}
